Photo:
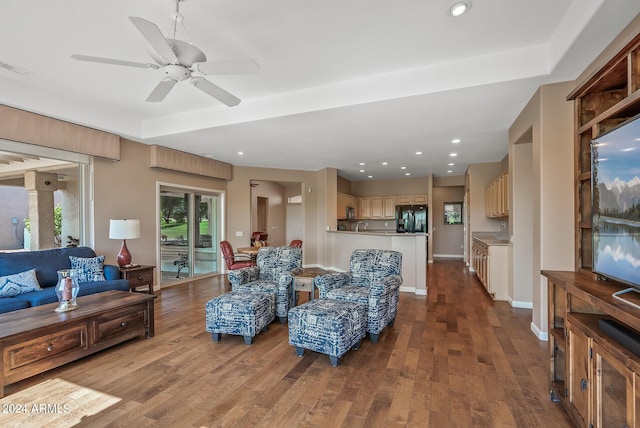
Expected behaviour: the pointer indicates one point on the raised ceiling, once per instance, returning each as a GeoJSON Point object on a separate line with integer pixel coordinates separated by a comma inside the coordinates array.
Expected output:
{"type": "Point", "coordinates": [341, 82]}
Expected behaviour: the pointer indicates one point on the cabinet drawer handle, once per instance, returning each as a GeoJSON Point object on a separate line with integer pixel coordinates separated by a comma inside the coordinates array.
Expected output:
{"type": "Point", "coordinates": [50, 348]}
{"type": "Point", "coordinates": [583, 384]}
{"type": "Point", "coordinates": [140, 278]}
{"type": "Point", "coordinates": [123, 324]}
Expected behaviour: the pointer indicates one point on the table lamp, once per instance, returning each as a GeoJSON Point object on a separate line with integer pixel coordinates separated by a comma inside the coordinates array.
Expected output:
{"type": "Point", "coordinates": [124, 229]}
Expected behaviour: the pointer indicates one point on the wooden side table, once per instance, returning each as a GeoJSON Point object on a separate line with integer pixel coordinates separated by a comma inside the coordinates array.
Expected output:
{"type": "Point", "coordinates": [139, 276]}
{"type": "Point", "coordinates": [304, 282]}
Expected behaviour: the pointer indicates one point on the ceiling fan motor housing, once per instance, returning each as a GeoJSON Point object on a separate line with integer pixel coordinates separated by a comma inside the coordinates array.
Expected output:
{"type": "Point", "coordinates": [177, 72]}
{"type": "Point", "coordinates": [186, 53]}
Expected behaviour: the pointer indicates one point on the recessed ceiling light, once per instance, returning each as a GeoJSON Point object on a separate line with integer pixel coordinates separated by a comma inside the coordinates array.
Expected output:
{"type": "Point", "coordinates": [453, 155]}
{"type": "Point", "coordinates": [370, 176]}
{"type": "Point", "coordinates": [449, 171]}
{"type": "Point", "coordinates": [455, 140]}
{"type": "Point", "coordinates": [418, 153]}
{"type": "Point", "coordinates": [403, 167]}
{"type": "Point", "coordinates": [407, 173]}
{"type": "Point", "coordinates": [459, 8]}
{"type": "Point", "coordinates": [240, 153]}
{"type": "Point", "coordinates": [385, 163]}
{"type": "Point", "coordinates": [451, 164]}
{"type": "Point", "coordinates": [362, 170]}
{"type": "Point", "coordinates": [361, 163]}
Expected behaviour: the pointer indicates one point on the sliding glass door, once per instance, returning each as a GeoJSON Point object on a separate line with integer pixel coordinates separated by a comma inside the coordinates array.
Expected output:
{"type": "Point", "coordinates": [188, 233]}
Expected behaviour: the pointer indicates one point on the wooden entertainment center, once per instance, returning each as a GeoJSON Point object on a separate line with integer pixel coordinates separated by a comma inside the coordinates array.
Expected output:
{"type": "Point", "coordinates": [595, 377]}
{"type": "Point", "coordinates": [37, 339]}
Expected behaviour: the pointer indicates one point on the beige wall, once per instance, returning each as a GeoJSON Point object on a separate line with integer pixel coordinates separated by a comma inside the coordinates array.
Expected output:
{"type": "Point", "coordinates": [404, 186]}
{"type": "Point", "coordinates": [276, 211]}
{"type": "Point", "coordinates": [315, 206]}
{"type": "Point", "coordinates": [548, 117]}
{"type": "Point", "coordinates": [128, 189]}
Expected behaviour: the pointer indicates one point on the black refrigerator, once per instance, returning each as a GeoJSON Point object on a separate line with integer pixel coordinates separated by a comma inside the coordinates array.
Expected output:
{"type": "Point", "coordinates": [411, 218]}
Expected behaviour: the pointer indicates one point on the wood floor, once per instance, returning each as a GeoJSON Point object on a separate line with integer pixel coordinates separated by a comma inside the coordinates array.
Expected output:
{"type": "Point", "coordinates": [453, 358]}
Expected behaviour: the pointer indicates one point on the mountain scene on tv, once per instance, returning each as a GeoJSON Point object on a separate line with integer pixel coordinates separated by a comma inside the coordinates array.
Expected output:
{"type": "Point", "coordinates": [616, 204]}
{"type": "Point", "coordinates": [620, 199]}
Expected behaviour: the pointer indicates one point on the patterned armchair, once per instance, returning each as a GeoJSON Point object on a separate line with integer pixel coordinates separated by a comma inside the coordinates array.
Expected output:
{"type": "Point", "coordinates": [374, 278]}
{"type": "Point", "coordinates": [272, 275]}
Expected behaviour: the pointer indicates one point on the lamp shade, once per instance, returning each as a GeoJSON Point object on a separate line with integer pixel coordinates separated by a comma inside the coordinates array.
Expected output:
{"type": "Point", "coordinates": [124, 229]}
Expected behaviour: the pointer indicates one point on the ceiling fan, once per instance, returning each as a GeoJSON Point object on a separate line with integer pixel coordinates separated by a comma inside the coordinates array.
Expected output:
{"type": "Point", "coordinates": [180, 60]}
{"type": "Point", "coordinates": [15, 69]}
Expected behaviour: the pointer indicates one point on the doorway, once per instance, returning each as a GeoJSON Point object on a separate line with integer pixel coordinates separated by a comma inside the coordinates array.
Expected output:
{"type": "Point", "coordinates": [189, 233]}
{"type": "Point", "coordinates": [261, 214]}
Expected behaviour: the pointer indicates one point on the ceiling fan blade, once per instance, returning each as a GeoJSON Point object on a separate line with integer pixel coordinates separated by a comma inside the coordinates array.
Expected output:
{"type": "Point", "coordinates": [15, 69]}
{"type": "Point", "coordinates": [240, 66]}
{"type": "Point", "coordinates": [113, 61]}
{"type": "Point", "coordinates": [154, 37]}
{"type": "Point", "coordinates": [215, 91]}
{"type": "Point", "coordinates": [161, 90]}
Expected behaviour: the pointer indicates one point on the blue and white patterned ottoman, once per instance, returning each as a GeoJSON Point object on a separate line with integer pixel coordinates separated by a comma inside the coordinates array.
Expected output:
{"type": "Point", "coordinates": [328, 326]}
{"type": "Point", "coordinates": [244, 313]}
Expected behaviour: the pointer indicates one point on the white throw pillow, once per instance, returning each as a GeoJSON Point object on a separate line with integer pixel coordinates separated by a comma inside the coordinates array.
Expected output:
{"type": "Point", "coordinates": [88, 269]}
{"type": "Point", "coordinates": [19, 283]}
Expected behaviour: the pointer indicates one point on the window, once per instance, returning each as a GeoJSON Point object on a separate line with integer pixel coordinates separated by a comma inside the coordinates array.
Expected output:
{"type": "Point", "coordinates": [453, 213]}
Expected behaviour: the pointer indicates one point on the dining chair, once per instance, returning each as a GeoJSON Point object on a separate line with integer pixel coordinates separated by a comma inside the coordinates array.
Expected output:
{"type": "Point", "coordinates": [296, 243]}
{"type": "Point", "coordinates": [234, 260]}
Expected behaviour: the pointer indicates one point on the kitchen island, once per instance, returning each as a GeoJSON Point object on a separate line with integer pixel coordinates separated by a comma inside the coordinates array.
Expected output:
{"type": "Point", "coordinates": [413, 246]}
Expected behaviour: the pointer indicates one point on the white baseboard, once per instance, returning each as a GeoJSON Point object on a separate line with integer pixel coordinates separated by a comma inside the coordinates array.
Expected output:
{"type": "Point", "coordinates": [448, 256]}
{"type": "Point", "coordinates": [522, 305]}
{"type": "Point", "coordinates": [541, 335]}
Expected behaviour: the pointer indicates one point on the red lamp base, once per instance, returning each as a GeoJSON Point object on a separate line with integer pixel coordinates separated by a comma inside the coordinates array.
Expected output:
{"type": "Point", "coordinates": [124, 256]}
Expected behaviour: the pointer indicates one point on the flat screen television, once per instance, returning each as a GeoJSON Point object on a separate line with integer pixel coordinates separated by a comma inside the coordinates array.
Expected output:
{"type": "Point", "coordinates": [615, 223]}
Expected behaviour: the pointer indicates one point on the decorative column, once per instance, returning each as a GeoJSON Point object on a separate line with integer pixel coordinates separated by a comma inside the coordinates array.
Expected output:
{"type": "Point", "coordinates": [41, 186]}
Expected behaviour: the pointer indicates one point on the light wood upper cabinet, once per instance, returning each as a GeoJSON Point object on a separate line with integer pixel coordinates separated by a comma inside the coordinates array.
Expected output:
{"type": "Point", "coordinates": [403, 200]}
{"type": "Point", "coordinates": [496, 197]}
{"type": "Point", "coordinates": [389, 207]}
{"type": "Point", "coordinates": [364, 205]}
{"type": "Point", "coordinates": [411, 199]}
{"type": "Point", "coordinates": [376, 207]}
{"type": "Point", "coordinates": [342, 206]}
{"type": "Point", "coordinates": [419, 199]}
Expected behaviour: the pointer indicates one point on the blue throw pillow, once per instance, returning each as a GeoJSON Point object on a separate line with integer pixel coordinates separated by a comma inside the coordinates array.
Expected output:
{"type": "Point", "coordinates": [88, 269]}
{"type": "Point", "coordinates": [19, 283]}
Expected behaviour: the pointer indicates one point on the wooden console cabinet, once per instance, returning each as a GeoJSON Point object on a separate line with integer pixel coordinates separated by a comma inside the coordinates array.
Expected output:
{"type": "Point", "coordinates": [37, 339]}
{"type": "Point", "coordinates": [596, 379]}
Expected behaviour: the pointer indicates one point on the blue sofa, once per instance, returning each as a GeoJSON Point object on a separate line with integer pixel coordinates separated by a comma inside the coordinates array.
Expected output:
{"type": "Point", "coordinates": [47, 263]}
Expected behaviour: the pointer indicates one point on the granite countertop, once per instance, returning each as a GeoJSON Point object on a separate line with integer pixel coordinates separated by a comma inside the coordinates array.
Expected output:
{"type": "Point", "coordinates": [492, 238]}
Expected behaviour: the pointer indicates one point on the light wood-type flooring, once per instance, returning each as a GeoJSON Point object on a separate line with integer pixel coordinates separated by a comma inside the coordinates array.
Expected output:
{"type": "Point", "coordinates": [454, 358]}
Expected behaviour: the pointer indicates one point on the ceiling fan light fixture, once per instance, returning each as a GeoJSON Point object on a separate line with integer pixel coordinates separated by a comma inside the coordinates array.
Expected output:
{"type": "Point", "coordinates": [459, 8]}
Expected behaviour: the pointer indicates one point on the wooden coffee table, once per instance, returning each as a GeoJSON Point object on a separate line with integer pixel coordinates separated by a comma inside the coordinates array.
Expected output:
{"type": "Point", "coordinates": [304, 282]}
{"type": "Point", "coordinates": [37, 339]}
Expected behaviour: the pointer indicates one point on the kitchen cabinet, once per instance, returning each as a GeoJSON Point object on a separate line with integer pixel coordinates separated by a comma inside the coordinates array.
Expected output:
{"type": "Point", "coordinates": [341, 206]}
{"type": "Point", "coordinates": [345, 201]}
{"type": "Point", "coordinates": [411, 199]}
{"type": "Point", "coordinates": [496, 197]}
{"type": "Point", "coordinates": [364, 208]}
{"type": "Point", "coordinates": [389, 207]}
{"type": "Point", "coordinates": [598, 381]}
{"type": "Point", "coordinates": [489, 262]}
{"type": "Point", "coordinates": [376, 207]}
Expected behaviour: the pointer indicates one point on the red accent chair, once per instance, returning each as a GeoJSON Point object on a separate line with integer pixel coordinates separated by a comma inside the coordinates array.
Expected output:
{"type": "Point", "coordinates": [234, 260]}
{"type": "Point", "coordinates": [296, 243]}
